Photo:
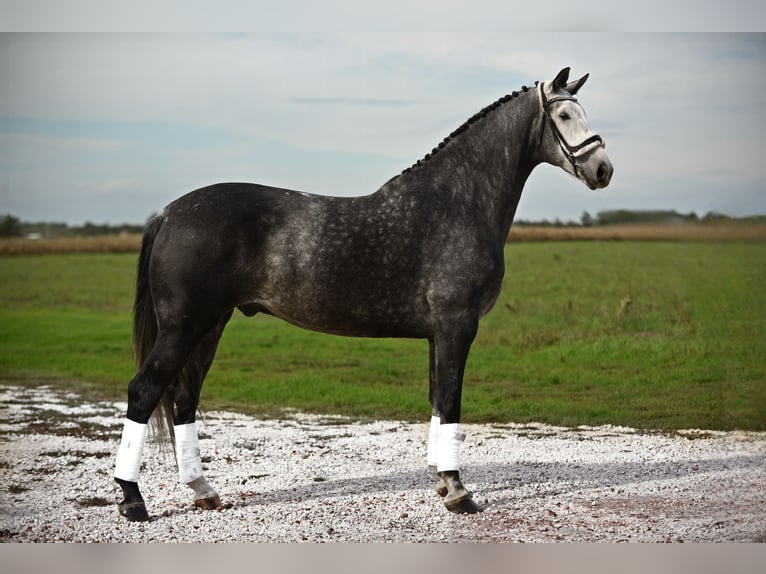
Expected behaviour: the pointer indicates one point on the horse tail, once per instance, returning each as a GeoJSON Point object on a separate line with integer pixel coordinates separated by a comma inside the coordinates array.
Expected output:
{"type": "Point", "coordinates": [144, 316]}
{"type": "Point", "coordinates": [145, 331]}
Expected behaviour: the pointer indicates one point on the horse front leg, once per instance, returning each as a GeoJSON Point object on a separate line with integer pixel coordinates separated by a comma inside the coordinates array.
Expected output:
{"type": "Point", "coordinates": [448, 353]}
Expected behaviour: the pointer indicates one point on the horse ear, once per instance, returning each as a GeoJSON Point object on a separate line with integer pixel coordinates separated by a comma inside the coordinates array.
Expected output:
{"type": "Point", "coordinates": [573, 87]}
{"type": "Point", "coordinates": [561, 80]}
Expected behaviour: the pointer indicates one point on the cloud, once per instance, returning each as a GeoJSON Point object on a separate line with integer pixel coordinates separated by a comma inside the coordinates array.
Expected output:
{"type": "Point", "coordinates": [348, 101]}
{"type": "Point", "coordinates": [23, 142]}
{"type": "Point", "coordinates": [180, 109]}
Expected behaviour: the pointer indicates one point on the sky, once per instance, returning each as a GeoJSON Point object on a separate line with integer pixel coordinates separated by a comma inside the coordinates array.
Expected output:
{"type": "Point", "coordinates": [110, 127]}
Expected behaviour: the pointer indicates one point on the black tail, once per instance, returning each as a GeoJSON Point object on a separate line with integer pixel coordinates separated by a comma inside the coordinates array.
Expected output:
{"type": "Point", "coordinates": [145, 330]}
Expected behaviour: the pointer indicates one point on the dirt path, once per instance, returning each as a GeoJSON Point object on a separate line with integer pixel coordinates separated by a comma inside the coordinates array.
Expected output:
{"type": "Point", "coordinates": [311, 478]}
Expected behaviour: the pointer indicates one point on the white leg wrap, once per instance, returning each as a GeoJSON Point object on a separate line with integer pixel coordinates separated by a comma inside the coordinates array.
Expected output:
{"type": "Point", "coordinates": [433, 441]}
{"type": "Point", "coordinates": [129, 454]}
{"type": "Point", "coordinates": [187, 453]}
{"type": "Point", "coordinates": [450, 439]}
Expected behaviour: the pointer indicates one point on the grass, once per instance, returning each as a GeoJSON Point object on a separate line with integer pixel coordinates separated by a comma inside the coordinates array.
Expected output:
{"type": "Point", "coordinates": [660, 335]}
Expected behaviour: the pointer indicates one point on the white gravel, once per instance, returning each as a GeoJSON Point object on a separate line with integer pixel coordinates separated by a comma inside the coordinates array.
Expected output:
{"type": "Point", "coordinates": [330, 479]}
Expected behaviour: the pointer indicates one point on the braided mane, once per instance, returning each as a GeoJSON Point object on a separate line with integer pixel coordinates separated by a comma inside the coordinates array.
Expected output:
{"type": "Point", "coordinates": [473, 119]}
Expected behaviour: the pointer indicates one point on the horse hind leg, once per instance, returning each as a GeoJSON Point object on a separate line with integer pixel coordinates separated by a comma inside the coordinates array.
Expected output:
{"type": "Point", "coordinates": [127, 469]}
{"type": "Point", "coordinates": [190, 467]}
{"type": "Point", "coordinates": [144, 393]}
{"type": "Point", "coordinates": [185, 401]}
{"type": "Point", "coordinates": [160, 368]}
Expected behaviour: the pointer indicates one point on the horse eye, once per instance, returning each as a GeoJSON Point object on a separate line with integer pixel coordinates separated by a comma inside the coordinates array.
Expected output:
{"type": "Point", "coordinates": [564, 116]}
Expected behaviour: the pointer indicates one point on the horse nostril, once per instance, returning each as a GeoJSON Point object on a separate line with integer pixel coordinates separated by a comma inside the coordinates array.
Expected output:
{"type": "Point", "coordinates": [603, 172]}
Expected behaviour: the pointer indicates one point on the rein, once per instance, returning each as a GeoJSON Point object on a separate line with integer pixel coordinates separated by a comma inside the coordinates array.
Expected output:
{"type": "Point", "coordinates": [572, 152]}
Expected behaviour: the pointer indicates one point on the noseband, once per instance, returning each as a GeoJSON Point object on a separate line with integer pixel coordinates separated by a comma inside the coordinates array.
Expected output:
{"type": "Point", "coordinates": [572, 152]}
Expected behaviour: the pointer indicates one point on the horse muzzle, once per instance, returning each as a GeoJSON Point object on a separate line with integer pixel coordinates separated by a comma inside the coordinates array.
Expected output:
{"type": "Point", "coordinates": [596, 169]}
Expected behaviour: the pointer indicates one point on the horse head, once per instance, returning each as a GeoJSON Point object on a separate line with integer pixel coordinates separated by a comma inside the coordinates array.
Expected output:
{"type": "Point", "coordinates": [566, 139]}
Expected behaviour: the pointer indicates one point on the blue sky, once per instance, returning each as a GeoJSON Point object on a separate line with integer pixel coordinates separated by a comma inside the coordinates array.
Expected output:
{"type": "Point", "coordinates": [110, 127]}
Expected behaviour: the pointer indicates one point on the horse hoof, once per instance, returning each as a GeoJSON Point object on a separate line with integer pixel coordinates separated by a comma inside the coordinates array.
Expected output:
{"type": "Point", "coordinates": [134, 511]}
{"type": "Point", "coordinates": [463, 505]}
{"type": "Point", "coordinates": [212, 503]}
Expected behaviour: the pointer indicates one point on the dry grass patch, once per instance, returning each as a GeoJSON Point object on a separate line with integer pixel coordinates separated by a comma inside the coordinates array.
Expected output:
{"type": "Point", "coordinates": [725, 231]}
{"type": "Point", "coordinates": [97, 244]}
{"type": "Point", "coordinates": [644, 232]}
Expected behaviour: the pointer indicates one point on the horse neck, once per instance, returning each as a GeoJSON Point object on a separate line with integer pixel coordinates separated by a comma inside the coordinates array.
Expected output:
{"type": "Point", "coordinates": [482, 170]}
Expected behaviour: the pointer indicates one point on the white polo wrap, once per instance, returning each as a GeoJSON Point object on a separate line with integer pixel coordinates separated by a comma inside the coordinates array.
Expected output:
{"type": "Point", "coordinates": [129, 453]}
{"type": "Point", "coordinates": [450, 439]}
{"type": "Point", "coordinates": [187, 453]}
{"type": "Point", "coordinates": [433, 441]}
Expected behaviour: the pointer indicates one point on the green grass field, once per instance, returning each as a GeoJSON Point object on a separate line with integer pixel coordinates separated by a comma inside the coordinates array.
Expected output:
{"type": "Point", "coordinates": [655, 335]}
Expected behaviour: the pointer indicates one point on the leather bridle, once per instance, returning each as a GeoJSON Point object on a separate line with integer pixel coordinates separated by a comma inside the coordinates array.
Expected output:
{"type": "Point", "coordinates": [572, 152]}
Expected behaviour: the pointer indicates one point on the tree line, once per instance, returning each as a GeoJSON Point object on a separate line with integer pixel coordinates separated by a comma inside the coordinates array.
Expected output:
{"type": "Point", "coordinates": [11, 226]}
{"type": "Point", "coordinates": [629, 216]}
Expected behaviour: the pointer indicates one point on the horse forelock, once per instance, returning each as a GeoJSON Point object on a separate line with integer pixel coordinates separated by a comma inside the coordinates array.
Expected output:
{"type": "Point", "coordinates": [465, 126]}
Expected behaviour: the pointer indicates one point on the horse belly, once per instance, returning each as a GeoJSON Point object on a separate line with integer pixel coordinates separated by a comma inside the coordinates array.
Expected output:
{"type": "Point", "coordinates": [359, 327]}
{"type": "Point", "coordinates": [348, 308]}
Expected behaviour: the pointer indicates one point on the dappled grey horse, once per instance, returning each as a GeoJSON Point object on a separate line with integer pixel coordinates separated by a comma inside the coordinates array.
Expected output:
{"type": "Point", "coordinates": [422, 257]}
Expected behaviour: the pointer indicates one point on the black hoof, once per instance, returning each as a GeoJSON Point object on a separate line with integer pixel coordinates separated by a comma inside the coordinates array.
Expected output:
{"type": "Point", "coordinates": [134, 511]}
{"type": "Point", "coordinates": [212, 503]}
{"type": "Point", "coordinates": [132, 506]}
{"type": "Point", "coordinates": [463, 505]}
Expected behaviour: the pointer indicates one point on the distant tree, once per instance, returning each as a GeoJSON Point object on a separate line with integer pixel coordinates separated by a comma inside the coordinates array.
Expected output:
{"type": "Point", "coordinates": [586, 220]}
{"type": "Point", "coordinates": [715, 216]}
{"type": "Point", "coordinates": [10, 227]}
{"type": "Point", "coordinates": [641, 216]}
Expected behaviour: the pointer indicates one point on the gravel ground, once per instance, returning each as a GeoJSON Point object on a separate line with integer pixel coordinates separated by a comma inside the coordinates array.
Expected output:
{"type": "Point", "coordinates": [330, 479]}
